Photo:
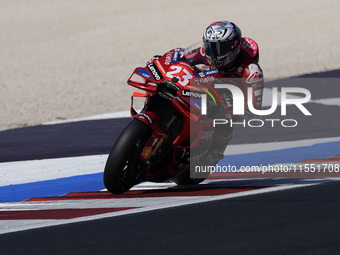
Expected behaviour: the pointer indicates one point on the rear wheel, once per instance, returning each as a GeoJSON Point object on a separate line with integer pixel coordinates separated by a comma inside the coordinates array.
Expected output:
{"type": "Point", "coordinates": [123, 166]}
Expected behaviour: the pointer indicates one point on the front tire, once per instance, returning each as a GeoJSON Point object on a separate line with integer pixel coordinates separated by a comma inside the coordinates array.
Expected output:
{"type": "Point", "coordinates": [120, 169]}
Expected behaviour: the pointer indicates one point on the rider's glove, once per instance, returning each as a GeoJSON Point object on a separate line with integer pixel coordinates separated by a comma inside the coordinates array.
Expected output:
{"type": "Point", "coordinates": [153, 59]}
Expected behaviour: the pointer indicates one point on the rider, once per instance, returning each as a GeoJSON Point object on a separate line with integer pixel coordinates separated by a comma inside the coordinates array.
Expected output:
{"type": "Point", "coordinates": [236, 58]}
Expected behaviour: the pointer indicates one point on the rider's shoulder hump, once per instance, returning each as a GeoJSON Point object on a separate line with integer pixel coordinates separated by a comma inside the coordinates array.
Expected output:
{"type": "Point", "coordinates": [250, 48]}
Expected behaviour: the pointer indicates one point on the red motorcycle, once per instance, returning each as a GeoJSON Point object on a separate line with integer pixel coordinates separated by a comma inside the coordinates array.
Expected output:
{"type": "Point", "coordinates": [158, 144]}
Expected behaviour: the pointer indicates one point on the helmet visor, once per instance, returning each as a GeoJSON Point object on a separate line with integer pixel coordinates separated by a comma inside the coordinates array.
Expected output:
{"type": "Point", "coordinates": [219, 50]}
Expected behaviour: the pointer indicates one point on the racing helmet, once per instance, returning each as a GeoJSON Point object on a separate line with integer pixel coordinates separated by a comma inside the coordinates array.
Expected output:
{"type": "Point", "coordinates": [221, 41]}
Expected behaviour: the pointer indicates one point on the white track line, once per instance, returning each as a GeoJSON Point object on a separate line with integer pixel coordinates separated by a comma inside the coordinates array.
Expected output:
{"type": "Point", "coordinates": [163, 203]}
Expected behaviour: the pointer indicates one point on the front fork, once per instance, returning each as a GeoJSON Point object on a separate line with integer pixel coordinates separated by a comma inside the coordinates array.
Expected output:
{"type": "Point", "coordinates": [166, 124]}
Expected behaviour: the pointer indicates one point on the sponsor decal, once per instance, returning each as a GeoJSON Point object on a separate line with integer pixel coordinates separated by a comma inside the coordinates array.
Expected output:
{"type": "Point", "coordinates": [224, 56]}
{"type": "Point", "coordinates": [146, 116]}
{"type": "Point", "coordinates": [255, 74]}
{"type": "Point", "coordinates": [258, 86]}
{"type": "Point", "coordinates": [210, 72]}
{"type": "Point", "coordinates": [168, 58]}
{"type": "Point", "coordinates": [202, 51]}
{"type": "Point", "coordinates": [170, 84]}
{"type": "Point", "coordinates": [246, 45]}
{"type": "Point", "coordinates": [196, 103]}
{"type": "Point", "coordinates": [154, 71]}
{"type": "Point", "coordinates": [164, 96]}
{"type": "Point", "coordinates": [160, 67]}
{"type": "Point", "coordinates": [187, 65]}
{"type": "Point", "coordinates": [176, 56]}
{"type": "Point", "coordinates": [165, 136]}
{"type": "Point", "coordinates": [206, 79]}
{"type": "Point", "coordinates": [144, 73]}
{"type": "Point", "coordinates": [258, 92]}
{"type": "Point", "coordinates": [181, 101]}
{"type": "Point", "coordinates": [206, 73]}
{"type": "Point", "coordinates": [191, 93]}
{"type": "Point", "coordinates": [147, 152]}
{"type": "Point", "coordinates": [255, 77]}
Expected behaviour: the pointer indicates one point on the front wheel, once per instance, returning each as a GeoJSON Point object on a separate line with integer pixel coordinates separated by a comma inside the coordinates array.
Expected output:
{"type": "Point", "coordinates": [122, 166]}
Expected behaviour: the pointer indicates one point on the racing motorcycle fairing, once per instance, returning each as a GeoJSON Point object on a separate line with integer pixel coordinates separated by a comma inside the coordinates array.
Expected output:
{"type": "Point", "coordinates": [173, 115]}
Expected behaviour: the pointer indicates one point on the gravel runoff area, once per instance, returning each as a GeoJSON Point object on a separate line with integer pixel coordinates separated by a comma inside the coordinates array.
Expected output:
{"type": "Point", "coordinates": [63, 59]}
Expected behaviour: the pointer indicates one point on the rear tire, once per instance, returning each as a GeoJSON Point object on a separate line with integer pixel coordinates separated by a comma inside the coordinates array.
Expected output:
{"type": "Point", "coordinates": [124, 157]}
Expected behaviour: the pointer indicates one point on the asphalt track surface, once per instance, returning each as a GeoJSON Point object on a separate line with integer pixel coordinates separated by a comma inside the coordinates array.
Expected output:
{"type": "Point", "coordinates": [303, 220]}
